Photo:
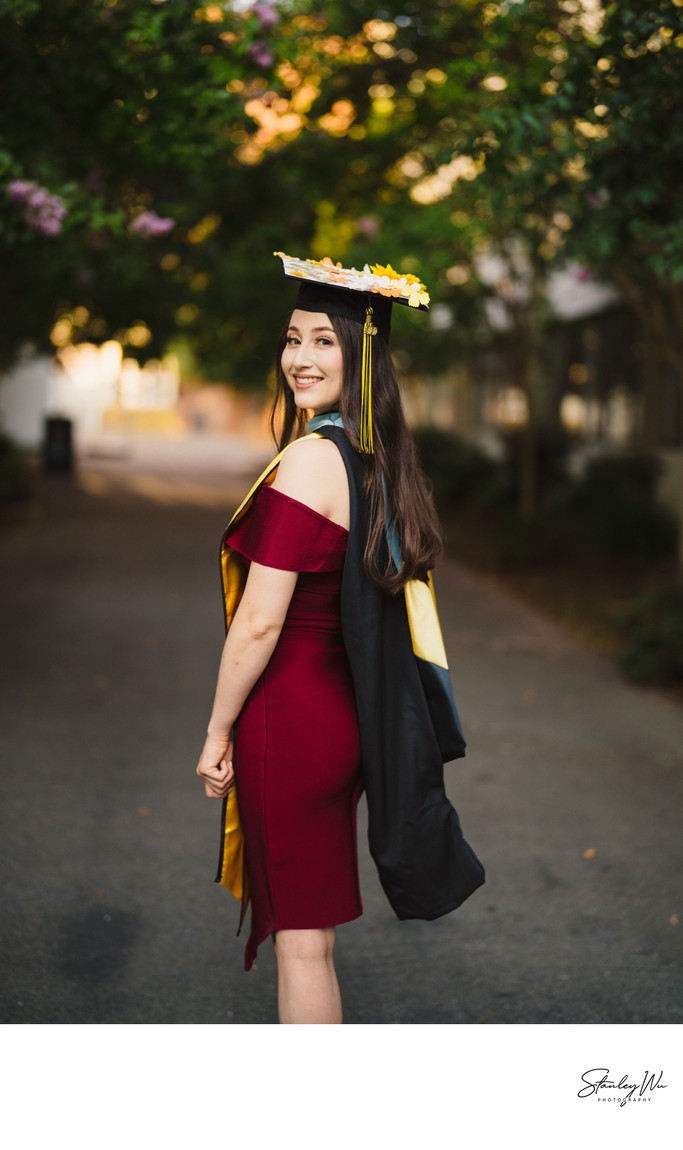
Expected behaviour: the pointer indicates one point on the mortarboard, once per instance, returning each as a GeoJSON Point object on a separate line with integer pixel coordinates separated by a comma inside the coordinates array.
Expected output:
{"type": "Point", "coordinates": [365, 296]}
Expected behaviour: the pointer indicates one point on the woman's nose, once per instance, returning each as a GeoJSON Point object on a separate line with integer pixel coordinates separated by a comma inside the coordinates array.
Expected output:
{"type": "Point", "coordinates": [303, 356]}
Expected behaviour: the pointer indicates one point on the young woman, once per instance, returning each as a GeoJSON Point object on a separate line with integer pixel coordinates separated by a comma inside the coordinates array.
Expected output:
{"type": "Point", "coordinates": [327, 684]}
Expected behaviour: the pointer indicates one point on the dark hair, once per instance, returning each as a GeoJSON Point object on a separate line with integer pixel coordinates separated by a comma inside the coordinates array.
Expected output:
{"type": "Point", "coordinates": [395, 458]}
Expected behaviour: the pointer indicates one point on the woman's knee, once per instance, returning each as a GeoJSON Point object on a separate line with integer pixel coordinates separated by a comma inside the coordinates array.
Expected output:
{"type": "Point", "coordinates": [305, 944]}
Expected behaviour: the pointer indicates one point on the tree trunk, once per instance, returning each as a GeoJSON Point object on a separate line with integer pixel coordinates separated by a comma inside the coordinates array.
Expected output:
{"type": "Point", "coordinates": [528, 472]}
{"type": "Point", "coordinates": [533, 382]}
{"type": "Point", "coordinates": [660, 310]}
{"type": "Point", "coordinates": [680, 506]}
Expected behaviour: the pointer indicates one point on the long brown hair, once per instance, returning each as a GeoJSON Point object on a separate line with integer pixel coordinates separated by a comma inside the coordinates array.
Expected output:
{"type": "Point", "coordinates": [395, 458]}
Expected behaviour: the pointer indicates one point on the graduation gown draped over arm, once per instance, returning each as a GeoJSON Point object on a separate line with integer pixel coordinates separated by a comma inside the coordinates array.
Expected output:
{"type": "Point", "coordinates": [409, 727]}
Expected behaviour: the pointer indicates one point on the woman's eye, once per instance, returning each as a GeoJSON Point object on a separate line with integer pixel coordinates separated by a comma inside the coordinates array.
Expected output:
{"type": "Point", "coordinates": [291, 339]}
{"type": "Point", "coordinates": [325, 341]}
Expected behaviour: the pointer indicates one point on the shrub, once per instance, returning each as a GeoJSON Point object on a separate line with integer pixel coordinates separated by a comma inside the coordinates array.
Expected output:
{"type": "Point", "coordinates": [525, 542]}
{"type": "Point", "coordinates": [615, 513]}
{"type": "Point", "coordinates": [609, 518]}
{"type": "Point", "coordinates": [636, 474]}
{"type": "Point", "coordinates": [654, 625]}
{"type": "Point", "coordinates": [461, 474]}
{"type": "Point", "coordinates": [551, 448]}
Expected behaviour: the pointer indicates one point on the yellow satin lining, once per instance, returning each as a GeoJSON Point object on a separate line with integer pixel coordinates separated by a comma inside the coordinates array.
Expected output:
{"type": "Point", "coordinates": [425, 629]}
{"type": "Point", "coordinates": [232, 870]}
{"type": "Point", "coordinates": [234, 577]}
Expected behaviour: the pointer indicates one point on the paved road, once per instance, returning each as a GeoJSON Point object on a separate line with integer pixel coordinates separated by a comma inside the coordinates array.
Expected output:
{"type": "Point", "coordinates": [111, 633]}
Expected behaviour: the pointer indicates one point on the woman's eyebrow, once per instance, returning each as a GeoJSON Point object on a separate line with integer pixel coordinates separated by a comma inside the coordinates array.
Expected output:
{"type": "Point", "coordinates": [292, 327]}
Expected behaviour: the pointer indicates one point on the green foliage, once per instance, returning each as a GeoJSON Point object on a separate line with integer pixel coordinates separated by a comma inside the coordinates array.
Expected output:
{"type": "Point", "coordinates": [120, 108]}
{"type": "Point", "coordinates": [421, 134]}
{"type": "Point", "coordinates": [653, 625]}
{"type": "Point", "coordinates": [627, 82]}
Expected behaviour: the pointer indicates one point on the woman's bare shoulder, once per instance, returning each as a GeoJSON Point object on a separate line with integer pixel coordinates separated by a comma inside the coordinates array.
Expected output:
{"type": "Point", "coordinates": [310, 458]}
{"type": "Point", "coordinates": [313, 472]}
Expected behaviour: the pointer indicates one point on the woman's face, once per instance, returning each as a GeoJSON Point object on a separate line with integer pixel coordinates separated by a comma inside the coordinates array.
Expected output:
{"type": "Point", "coordinates": [312, 361]}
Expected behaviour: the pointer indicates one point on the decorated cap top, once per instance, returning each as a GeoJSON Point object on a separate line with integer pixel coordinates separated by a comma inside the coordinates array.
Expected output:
{"type": "Point", "coordinates": [399, 287]}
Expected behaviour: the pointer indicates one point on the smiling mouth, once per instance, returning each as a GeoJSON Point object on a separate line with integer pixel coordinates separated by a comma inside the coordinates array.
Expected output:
{"type": "Point", "coordinates": [307, 380]}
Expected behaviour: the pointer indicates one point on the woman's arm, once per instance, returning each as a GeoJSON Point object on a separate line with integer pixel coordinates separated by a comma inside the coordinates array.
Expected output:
{"type": "Point", "coordinates": [312, 472]}
{"type": "Point", "coordinates": [250, 642]}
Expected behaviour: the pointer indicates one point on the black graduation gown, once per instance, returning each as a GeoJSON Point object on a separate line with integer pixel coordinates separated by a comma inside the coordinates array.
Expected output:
{"type": "Point", "coordinates": [409, 727]}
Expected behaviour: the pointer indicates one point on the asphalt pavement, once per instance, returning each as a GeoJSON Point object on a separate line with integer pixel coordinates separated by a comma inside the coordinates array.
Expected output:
{"type": "Point", "coordinates": [111, 627]}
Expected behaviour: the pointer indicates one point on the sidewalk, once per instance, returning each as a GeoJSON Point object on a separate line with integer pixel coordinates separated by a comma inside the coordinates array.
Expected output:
{"type": "Point", "coordinates": [570, 794]}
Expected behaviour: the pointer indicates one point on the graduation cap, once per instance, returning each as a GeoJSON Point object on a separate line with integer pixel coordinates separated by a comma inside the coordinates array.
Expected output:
{"type": "Point", "coordinates": [366, 297]}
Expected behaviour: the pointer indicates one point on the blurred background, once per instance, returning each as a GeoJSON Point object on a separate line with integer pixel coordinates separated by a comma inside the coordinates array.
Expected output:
{"type": "Point", "coordinates": [524, 158]}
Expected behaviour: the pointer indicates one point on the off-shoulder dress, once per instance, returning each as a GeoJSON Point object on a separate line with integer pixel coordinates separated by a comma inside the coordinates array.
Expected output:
{"type": "Point", "coordinates": [297, 746]}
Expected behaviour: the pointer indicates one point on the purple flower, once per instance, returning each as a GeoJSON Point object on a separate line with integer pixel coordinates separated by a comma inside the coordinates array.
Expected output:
{"type": "Point", "coordinates": [149, 224]}
{"type": "Point", "coordinates": [261, 54]}
{"type": "Point", "coordinates": [43, 211]}
{"type": "Point", "coordinates": [267, 16]}
{"type": "Point", "coordinates": [584, 275]}
{"type": "Point", "coordinates": [39, 198]}
{"type": "Point", "coordinates": [20, 190]}
{"type": "Point", "coordinates": [48, 226]}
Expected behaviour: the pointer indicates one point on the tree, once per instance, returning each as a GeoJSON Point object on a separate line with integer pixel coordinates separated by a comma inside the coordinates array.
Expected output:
{"type": "Point", "coordinates": [178, 142]}
{"type": "Point", "coordinates": [449, 138]}
{"type": "Point", "coordinates": [121, 190]}
{"type": "Point", "coordinates": [621, 92]}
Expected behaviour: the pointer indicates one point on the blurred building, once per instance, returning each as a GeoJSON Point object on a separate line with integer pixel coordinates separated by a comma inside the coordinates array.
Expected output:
{"type": "Point", "coordinates": [602, 379]}
{"type": "Point", "coordinates": [109, 398]}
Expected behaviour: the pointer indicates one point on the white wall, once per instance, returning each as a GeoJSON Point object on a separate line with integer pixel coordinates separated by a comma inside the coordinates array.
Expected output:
{"type": "Point", "coordinates": [25, 398]}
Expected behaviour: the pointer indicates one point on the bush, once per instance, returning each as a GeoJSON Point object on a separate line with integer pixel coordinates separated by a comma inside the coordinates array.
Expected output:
{"type": "Point", "coordinates": [609, 518]}
{"type": "Point", "coordinates": [654, 624]}
{"type": "Point", "coordinates": [16, 478]}
{"type": "Point", "coordinates": [461, 474]}
{"type": "Point", "coordinates": [551, 448]}
{"type": "Point", "coordinates": [615, 513]}
{"type": "Point", "coordinates": [525, 542]}
{"type": "Point", "coordinates": [635, 474]}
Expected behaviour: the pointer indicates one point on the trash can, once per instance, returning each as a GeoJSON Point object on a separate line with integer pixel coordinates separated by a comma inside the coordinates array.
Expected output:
{"type": "Point", "coordinates": [58, 445]}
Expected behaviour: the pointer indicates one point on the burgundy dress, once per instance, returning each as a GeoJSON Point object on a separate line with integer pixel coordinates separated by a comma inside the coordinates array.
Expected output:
{"type": "Point", "coordinates": [297, 747]}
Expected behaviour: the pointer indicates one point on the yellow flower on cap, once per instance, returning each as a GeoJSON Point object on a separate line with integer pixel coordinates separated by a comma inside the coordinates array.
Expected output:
{"type": "Point", "coordinates": [380, 279]}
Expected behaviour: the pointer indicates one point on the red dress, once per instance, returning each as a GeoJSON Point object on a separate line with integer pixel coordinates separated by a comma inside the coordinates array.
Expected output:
{"type": "Point", "coordinates": [297, 747]}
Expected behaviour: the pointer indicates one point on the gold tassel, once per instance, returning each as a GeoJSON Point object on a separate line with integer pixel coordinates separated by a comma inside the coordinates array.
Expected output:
{"type": "Point", "coordinates": [365, 430]}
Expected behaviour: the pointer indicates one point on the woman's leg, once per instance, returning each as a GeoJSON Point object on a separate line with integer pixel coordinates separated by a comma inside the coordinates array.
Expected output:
{"type": "Point", "coordinates": [307, 987]}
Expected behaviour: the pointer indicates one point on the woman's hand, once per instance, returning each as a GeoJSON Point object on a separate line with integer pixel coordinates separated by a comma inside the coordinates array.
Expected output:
{"type": "Point", "coordinates": [215, 767]}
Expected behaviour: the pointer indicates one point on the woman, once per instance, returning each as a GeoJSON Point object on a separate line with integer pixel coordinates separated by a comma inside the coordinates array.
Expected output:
{"type": "Point", "coordinates": [320, 678]}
